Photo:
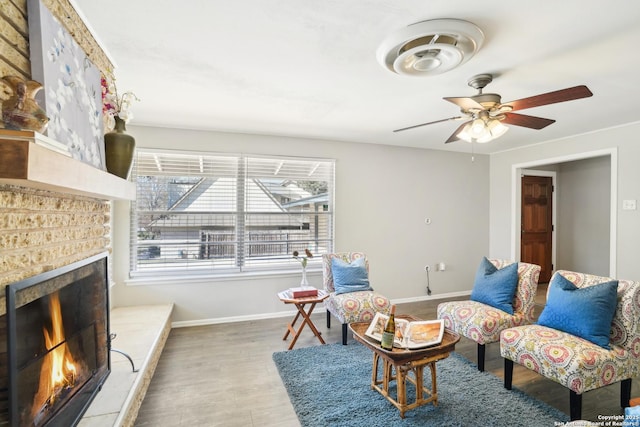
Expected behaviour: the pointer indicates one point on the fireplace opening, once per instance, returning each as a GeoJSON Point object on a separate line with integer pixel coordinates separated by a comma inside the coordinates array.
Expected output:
{"type": "Point", "coordinates": [57, 343]}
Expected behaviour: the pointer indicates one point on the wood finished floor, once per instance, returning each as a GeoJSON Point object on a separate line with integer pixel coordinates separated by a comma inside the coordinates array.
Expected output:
{"type": "Point", "coordinates": [223, 375]}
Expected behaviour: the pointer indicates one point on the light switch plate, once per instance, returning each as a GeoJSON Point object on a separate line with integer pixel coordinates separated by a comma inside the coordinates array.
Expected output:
{"type": "Point", "coordinates": [628, 205]}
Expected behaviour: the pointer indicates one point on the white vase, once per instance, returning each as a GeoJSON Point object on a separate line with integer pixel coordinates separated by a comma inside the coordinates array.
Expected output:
{"type": "Point", "coordinates": [304, 281]}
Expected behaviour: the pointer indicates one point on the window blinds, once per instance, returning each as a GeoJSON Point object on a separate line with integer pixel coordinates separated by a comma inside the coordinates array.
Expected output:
{"type": "Point", "coordinates": [212, 213]}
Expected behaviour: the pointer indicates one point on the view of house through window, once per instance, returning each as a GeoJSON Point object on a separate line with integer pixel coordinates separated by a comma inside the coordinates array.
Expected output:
{"type": "Point", "coordinates": [211, 213]}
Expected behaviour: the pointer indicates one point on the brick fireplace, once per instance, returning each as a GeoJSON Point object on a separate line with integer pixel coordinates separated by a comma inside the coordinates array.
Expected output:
{"type": "Point", "coordinates": [48, 227]}
{"type": "Point", "coordinates": [41, 231]}
{"type": "Point", "coordinates": [57, 340]}
{"type": "Point", "coordinates": [55, 211]}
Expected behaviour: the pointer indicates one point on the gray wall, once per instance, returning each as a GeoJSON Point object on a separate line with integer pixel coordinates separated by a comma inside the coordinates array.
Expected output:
{"type": "Point", "coordinates": [383, 195]}
{"type": "Point", "coordinates": [584, 192]}
{"type": "Point", "coordinates": [621, 142]}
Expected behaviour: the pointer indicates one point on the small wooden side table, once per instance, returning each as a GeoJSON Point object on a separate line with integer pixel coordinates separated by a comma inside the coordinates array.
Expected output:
{"type": "Point", "coordinates": [403, 362]}
{"type": "Point", "coordinates": [300, 303]}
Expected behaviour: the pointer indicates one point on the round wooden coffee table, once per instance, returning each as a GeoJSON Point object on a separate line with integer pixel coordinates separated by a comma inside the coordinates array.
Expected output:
{"type": "Point", "coordinates": [402, 362]}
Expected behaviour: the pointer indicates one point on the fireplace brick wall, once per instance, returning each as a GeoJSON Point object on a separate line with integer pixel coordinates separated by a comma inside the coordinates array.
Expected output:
{"type": "Point", "coordinates": [42, 230]}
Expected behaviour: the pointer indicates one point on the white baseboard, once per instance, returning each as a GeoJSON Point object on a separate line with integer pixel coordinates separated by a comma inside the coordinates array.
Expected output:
{"type": "Point", "coordinates": [432, 297]}
{"type": "Point", "coordinates": [261, 316]}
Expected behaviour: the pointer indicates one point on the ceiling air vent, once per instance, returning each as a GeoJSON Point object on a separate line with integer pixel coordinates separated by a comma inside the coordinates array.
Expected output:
{"type": "Point", "coordinates": [430, 47]}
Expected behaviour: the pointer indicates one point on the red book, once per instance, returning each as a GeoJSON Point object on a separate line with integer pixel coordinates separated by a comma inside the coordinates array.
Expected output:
{"type": "Point", "coordinates": [304, 291]}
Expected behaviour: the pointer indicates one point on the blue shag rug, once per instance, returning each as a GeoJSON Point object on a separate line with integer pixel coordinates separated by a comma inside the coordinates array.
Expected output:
{"type": "Point", "coordinates": [330, 386]}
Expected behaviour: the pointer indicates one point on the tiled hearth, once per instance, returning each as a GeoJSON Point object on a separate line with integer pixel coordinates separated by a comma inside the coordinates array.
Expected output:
{"type": "Point", "coordinates": [141, 333]}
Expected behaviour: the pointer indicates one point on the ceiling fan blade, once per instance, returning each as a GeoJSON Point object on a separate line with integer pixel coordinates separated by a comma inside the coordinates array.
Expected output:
{"type": "Point", "coordinates": [526, 121]}
{"type": "Point", "coordinates": [429, 123]}
{"type": "Point", "coordinates": [569, 94]}
{"type": "Point", "coordinates": [454, 135]}
{"type": "Point", "coordinates": [464, 103]}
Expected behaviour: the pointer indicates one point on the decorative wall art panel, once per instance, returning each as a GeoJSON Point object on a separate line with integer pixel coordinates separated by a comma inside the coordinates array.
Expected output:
{"type": "Point", "coordinates": [72, 95]}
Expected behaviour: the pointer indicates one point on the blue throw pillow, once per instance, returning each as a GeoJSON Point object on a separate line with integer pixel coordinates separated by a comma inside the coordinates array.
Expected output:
{"type": "Point", "coordinates": [631, 417]}
{"type": "Point", "coordinates": [349, 277]}
{"type": "Point", "coordinates": [496, 287]}
{"type": "Point", "coordinates": [584, 312]}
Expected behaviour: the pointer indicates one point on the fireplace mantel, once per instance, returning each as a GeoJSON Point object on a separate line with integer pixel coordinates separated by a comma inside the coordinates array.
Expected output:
{"type": "Point", "coordinates": [25, 162]}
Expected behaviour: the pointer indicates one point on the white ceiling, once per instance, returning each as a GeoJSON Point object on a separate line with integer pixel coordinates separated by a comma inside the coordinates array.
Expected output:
{"type": "Point", "coordinates": [308, 68]}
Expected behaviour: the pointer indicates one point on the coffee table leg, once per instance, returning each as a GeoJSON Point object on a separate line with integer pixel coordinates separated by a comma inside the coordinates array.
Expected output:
{"type": "Point", "coordinates": [401, 377]}
{"type": "Point", "coordinates": [386, 377]}
{"type": "Point", "coordinates": [418, 372]}
{"type": "Point", "coordinates": [374, 372]}
{"type": "Point", "coordinates": [434, 387]}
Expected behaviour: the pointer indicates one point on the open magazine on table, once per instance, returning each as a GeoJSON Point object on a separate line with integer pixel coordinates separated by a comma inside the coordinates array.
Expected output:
{"type": "Point", "coordinates": [409, 334]}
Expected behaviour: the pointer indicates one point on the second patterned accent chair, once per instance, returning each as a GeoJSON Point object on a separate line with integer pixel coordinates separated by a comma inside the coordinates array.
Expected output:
{"type": "Point", "coordinates": [351, 305]}
{"type": "Point", "coordinates": [574, 348]}
{"type": "Point", "coordinates": [483, 323]}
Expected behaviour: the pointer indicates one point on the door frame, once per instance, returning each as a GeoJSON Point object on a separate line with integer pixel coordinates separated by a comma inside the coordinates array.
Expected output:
{"type": "Point", "coordinates": [516, 173]}
{"type": "Point", "coordinates": [554, 183]}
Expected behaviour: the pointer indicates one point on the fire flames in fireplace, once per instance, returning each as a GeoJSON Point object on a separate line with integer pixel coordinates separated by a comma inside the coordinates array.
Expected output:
{"type": "Point", "coordinates": [56, 331]}
{"type": "Point", "coordinates": [60, 372]}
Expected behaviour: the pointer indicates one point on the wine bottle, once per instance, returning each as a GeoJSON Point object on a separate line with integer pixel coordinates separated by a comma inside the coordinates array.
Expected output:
{"type": "Point", "coordinates": [389, 332]}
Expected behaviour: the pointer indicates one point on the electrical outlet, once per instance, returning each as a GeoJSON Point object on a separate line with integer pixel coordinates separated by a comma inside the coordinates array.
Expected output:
{"type": "Point", "coordinates": [427, 268]}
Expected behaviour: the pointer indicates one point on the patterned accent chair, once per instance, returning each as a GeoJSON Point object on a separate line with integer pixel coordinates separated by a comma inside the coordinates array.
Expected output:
{"type": "Point", "coordinates": [482, 323]}
{"type": "Point", "coordinates": [574, 362]}
{"type": "Point", "coordinates": [359, 306]}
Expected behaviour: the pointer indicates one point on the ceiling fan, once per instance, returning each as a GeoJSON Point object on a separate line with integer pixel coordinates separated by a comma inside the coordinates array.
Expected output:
{"type": "Point", "coordinates": [487, 115]}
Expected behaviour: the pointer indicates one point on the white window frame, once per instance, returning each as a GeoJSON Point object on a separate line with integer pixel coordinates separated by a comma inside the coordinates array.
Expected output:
{"type": "Point", "coordinates": [251, 173]}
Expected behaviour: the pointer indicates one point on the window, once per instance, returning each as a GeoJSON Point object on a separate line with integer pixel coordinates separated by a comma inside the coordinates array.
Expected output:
{"type": "Point", "coordinates": [210, 213]}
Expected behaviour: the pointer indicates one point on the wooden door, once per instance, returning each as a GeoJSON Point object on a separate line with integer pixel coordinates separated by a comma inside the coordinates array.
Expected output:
{"type": "Point", "coordinates": [536, 223]}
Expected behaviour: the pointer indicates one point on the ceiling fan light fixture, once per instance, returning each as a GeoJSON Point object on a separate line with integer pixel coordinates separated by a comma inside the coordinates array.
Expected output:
{"type": "Point", "coordinates": [475, 131]}
{"type": "Point", "coordinates": [496, 128]}
{"type": "Point", "coordinates": [478, 130]}
{"type": "Point", "coordinates": [465, 133]}
{"type": "Point", "coordinates": [430, 47]}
